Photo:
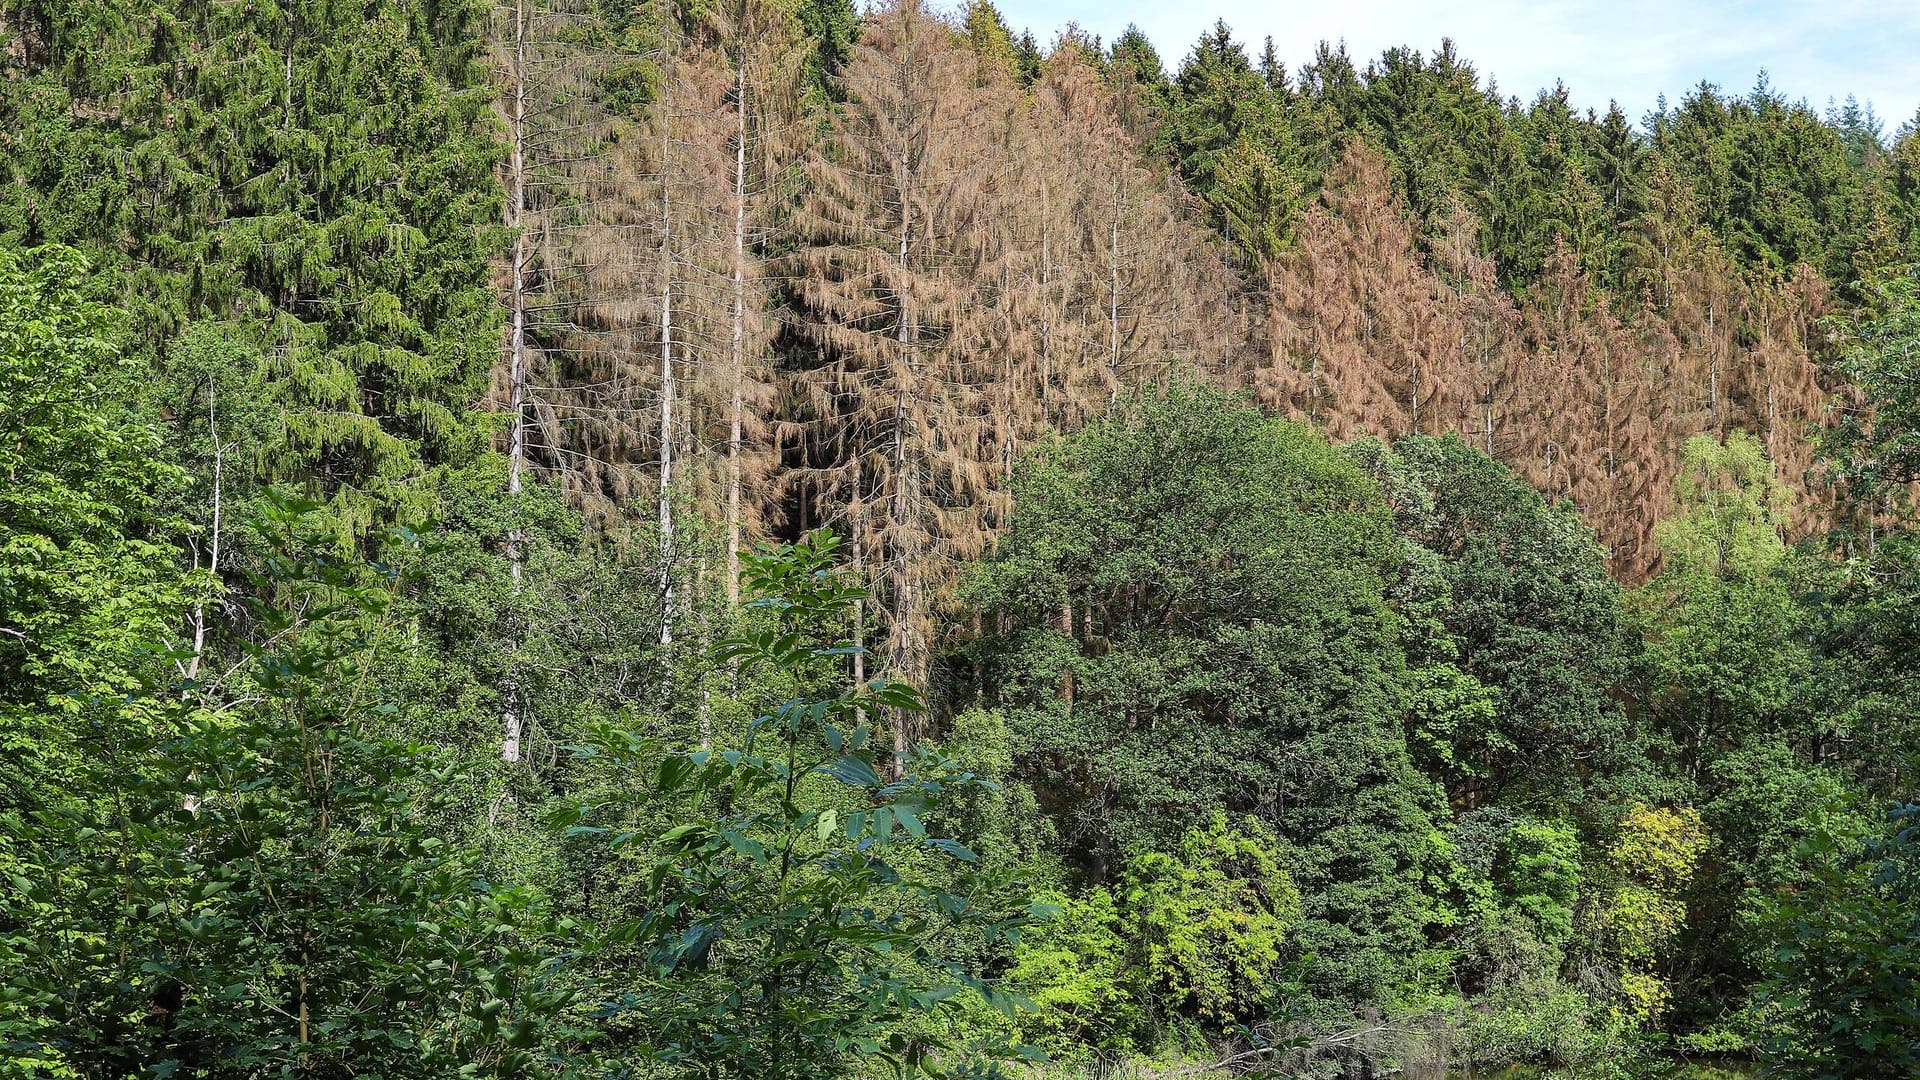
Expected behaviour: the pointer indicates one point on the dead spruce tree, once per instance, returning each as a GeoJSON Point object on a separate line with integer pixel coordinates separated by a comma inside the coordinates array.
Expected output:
{"type": "Point", "coordinates": [571, 86]}
{"type": "Point", "coordinates": [886, 422]}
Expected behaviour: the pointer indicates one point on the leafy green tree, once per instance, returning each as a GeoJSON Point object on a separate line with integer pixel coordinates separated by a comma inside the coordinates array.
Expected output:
{"type": "Point", "coordinates": [258, 886]}
{"type": "Point", "coordinates": [1213, 918]}
{"type": "Point", "coordinates": [1617, 168]}
{"type": "Point", "coordinates": [800, 914]}
{"type": "Point", "coordinates": [1847, 973]}
{"type": "Point", "coordinates": [1259, 191]}
{"type": "Point", "coordinates": [579, 631]}
{"type": "Point", "coordinates": [1447, 139]}
{"type": "Point", "coordinates": [90, 590]}
{"type": "Point", "coordinates": [995, 50]}
{"type": "Point", "coordinates": [1655, 855]}
{"type": "Point", "coordinates": [1139, 80]}
{"type": "Point", "coordinates": [1767, 802]}
{"type": "Point", "coordinates": [1726, 659]}
{"type": "Point", "coordinates": [1189, 617]}
{"type": "Point", "coordinates": [1540, 870]}
{"type": "Point", "coordinates": [1863, 619]}
{"type": "Point", "coordinates": [1191, 942]}
{"type": "Point", "coordinates": [1001, 816]}
{"type": "Point", "coordinates": [1516, 638]}
{"type": "Point", "coordinates": [91, 599]}
{"type": "Point", "coordinates": [1078, 970]}
{"type": "Point", "coordinates": [1562, 203]}
{"type": "Point", "coordinates": [1903, 186]}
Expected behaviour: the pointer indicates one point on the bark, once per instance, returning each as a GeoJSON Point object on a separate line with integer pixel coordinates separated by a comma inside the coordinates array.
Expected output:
{"type": "Point", "coordinates": [667, 389]}
{"type": "Point", "coordinates": [736, 418]}
{"type": "Point", "coordinates": [511, 719]}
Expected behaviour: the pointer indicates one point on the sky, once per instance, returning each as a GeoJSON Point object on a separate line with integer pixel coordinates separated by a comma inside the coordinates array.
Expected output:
{"type": "Point", "coordinates": [1631, 51]}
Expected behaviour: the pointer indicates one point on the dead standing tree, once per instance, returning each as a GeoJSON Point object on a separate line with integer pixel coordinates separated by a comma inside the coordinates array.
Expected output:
{"type": "Point", "coordinates": [886, 406]}
{"type": "Point", "coordinates": [569, 83]}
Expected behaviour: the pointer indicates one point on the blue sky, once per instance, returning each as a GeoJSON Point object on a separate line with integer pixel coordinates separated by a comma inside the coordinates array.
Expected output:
{"type": "Point", "coordinates": [1629, 50]}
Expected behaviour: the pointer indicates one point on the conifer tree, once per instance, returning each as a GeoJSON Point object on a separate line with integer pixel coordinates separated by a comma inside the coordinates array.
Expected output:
{"type": "Point", "coordinates": [1487, 322]}
{"type": "Point", "coordinates": [555, 67]}
{"type": "Point", "coordinates": [880, 292]}
{"type": "Point", "coordinates": [764, 49]}
{"type": "Point", "coordinates": [319, 178]}
{"type": "Point", "coordinates": [1359, 337]}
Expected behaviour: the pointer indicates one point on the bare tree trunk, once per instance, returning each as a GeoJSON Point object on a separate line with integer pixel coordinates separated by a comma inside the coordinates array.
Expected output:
{"type": "Point", "coordinates": [1771, 451]}
{"type": "Point", "coordinates": [666, 387]}
{"type": "Point", "coordinates": [898, 570]}
{"type": "Point", "coordinates": [736, 418]}
{"type": "Point", "coordinates": [1066, 678]}
{"type": "Point", "coordinates": [1487, 405]}
{"type": "Point", "coordinates": [1113, 302]}
{"type": "Point", "coordinates": [1713, 374]}
{"type": "Point", "coordinates": [1046, 304]}
{"type": "Point", "coordinates": [899, 655]}
{"type": "Point", "coordinates": [213, 557]}
{"type": "Point", "coordinates": [706, 644]}
{"type": "Point", "coordinates": [511, 720]}
{"type": "Point", "coordinates": [1413, 400]}
{"type": "Point", "coordinates": [1606, 421]}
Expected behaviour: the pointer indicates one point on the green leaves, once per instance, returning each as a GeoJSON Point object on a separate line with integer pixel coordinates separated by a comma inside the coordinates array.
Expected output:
{"type": "Point", "coordinates": [1846, 974]}
{"type": "Point", "coordinates": [801, 911]}
{"type": "Point", "coordinates": [1190, 614]}
{"type": "Point", "coordinates": [1514, 632]}
{"type": "Point", "coordinates": [959, 851]}
{"type": "Point", "coordinates": [269, 830]}
{"type": "Point", "coordinates": [92, 596]}
{"type": "Point", "coordinates": [854, 771]}
{"type": "Point", "coordinates": [1877, 448]}
{"type": "Point", "coordinates": [673, 772]}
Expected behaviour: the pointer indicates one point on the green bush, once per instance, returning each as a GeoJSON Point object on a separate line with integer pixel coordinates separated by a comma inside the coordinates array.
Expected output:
{"type": "Point", "coordinates": [1847, 973]}
{"type": "Point", "coordinates": [1212, 920]}
{"type": "Point", "coordinates": [1540, 870]}
{"type": "Point", "coordinates": [1077, 972]}
{"type": "Point", "coordinates": [1540, 1022]}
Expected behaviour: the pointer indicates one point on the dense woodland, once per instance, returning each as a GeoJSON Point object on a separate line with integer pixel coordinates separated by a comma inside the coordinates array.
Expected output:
{"type": "Point", "coordinates": [750, 538]}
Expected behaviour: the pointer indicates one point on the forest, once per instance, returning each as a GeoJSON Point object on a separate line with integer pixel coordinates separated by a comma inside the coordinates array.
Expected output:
{"type": "Point", "coordinates": [761, 539]}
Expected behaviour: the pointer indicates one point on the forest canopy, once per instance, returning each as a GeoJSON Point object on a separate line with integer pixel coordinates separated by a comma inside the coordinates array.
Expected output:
{"type": "Point", "coordinates": [766, 539]}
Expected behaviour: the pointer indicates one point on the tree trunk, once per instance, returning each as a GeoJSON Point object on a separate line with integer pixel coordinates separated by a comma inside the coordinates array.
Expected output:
{"type": "Point", "coordinates": [1046, 305]}
{"type": "Point", "coordinates": [738, 407]}
{"type": "Point", "coordinates": [899, 585]}
{"type": "Point", "coordinates": [1066, 677]}
{"type": "Point", "coordinates": [666, 388]}
{"type": "Point", "coordinates": [511, 720]}
{"type": "Point", "coordinates": [213, 555]}
{"type": "Point", "coordinates": [1113, 303]}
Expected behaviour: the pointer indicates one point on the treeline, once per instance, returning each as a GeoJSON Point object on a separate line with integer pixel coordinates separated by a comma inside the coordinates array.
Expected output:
{"type": "Point", "coordinates": [1454, 773]}
{"type": "Point", "coordinates": [777, 268]}
{"type": "Point", "coordinates": [1572, 294]}
{"type": "Point", "coordinates": [397, 395]}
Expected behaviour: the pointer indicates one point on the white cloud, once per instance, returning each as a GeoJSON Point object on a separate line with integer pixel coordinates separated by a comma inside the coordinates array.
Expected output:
{"type": "Point", "coordinates": [1629, 50]}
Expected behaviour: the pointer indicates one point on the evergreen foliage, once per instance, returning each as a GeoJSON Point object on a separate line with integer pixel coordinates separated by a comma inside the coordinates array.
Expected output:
{"type": "Point", "coordinates": [1346, 571]}
{"type": "Point", "coordinates": [320, 178]}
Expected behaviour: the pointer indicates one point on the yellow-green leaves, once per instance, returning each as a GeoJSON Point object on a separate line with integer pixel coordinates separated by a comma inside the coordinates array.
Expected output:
{"type": "Point", "coordinates": [1657, 852]}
